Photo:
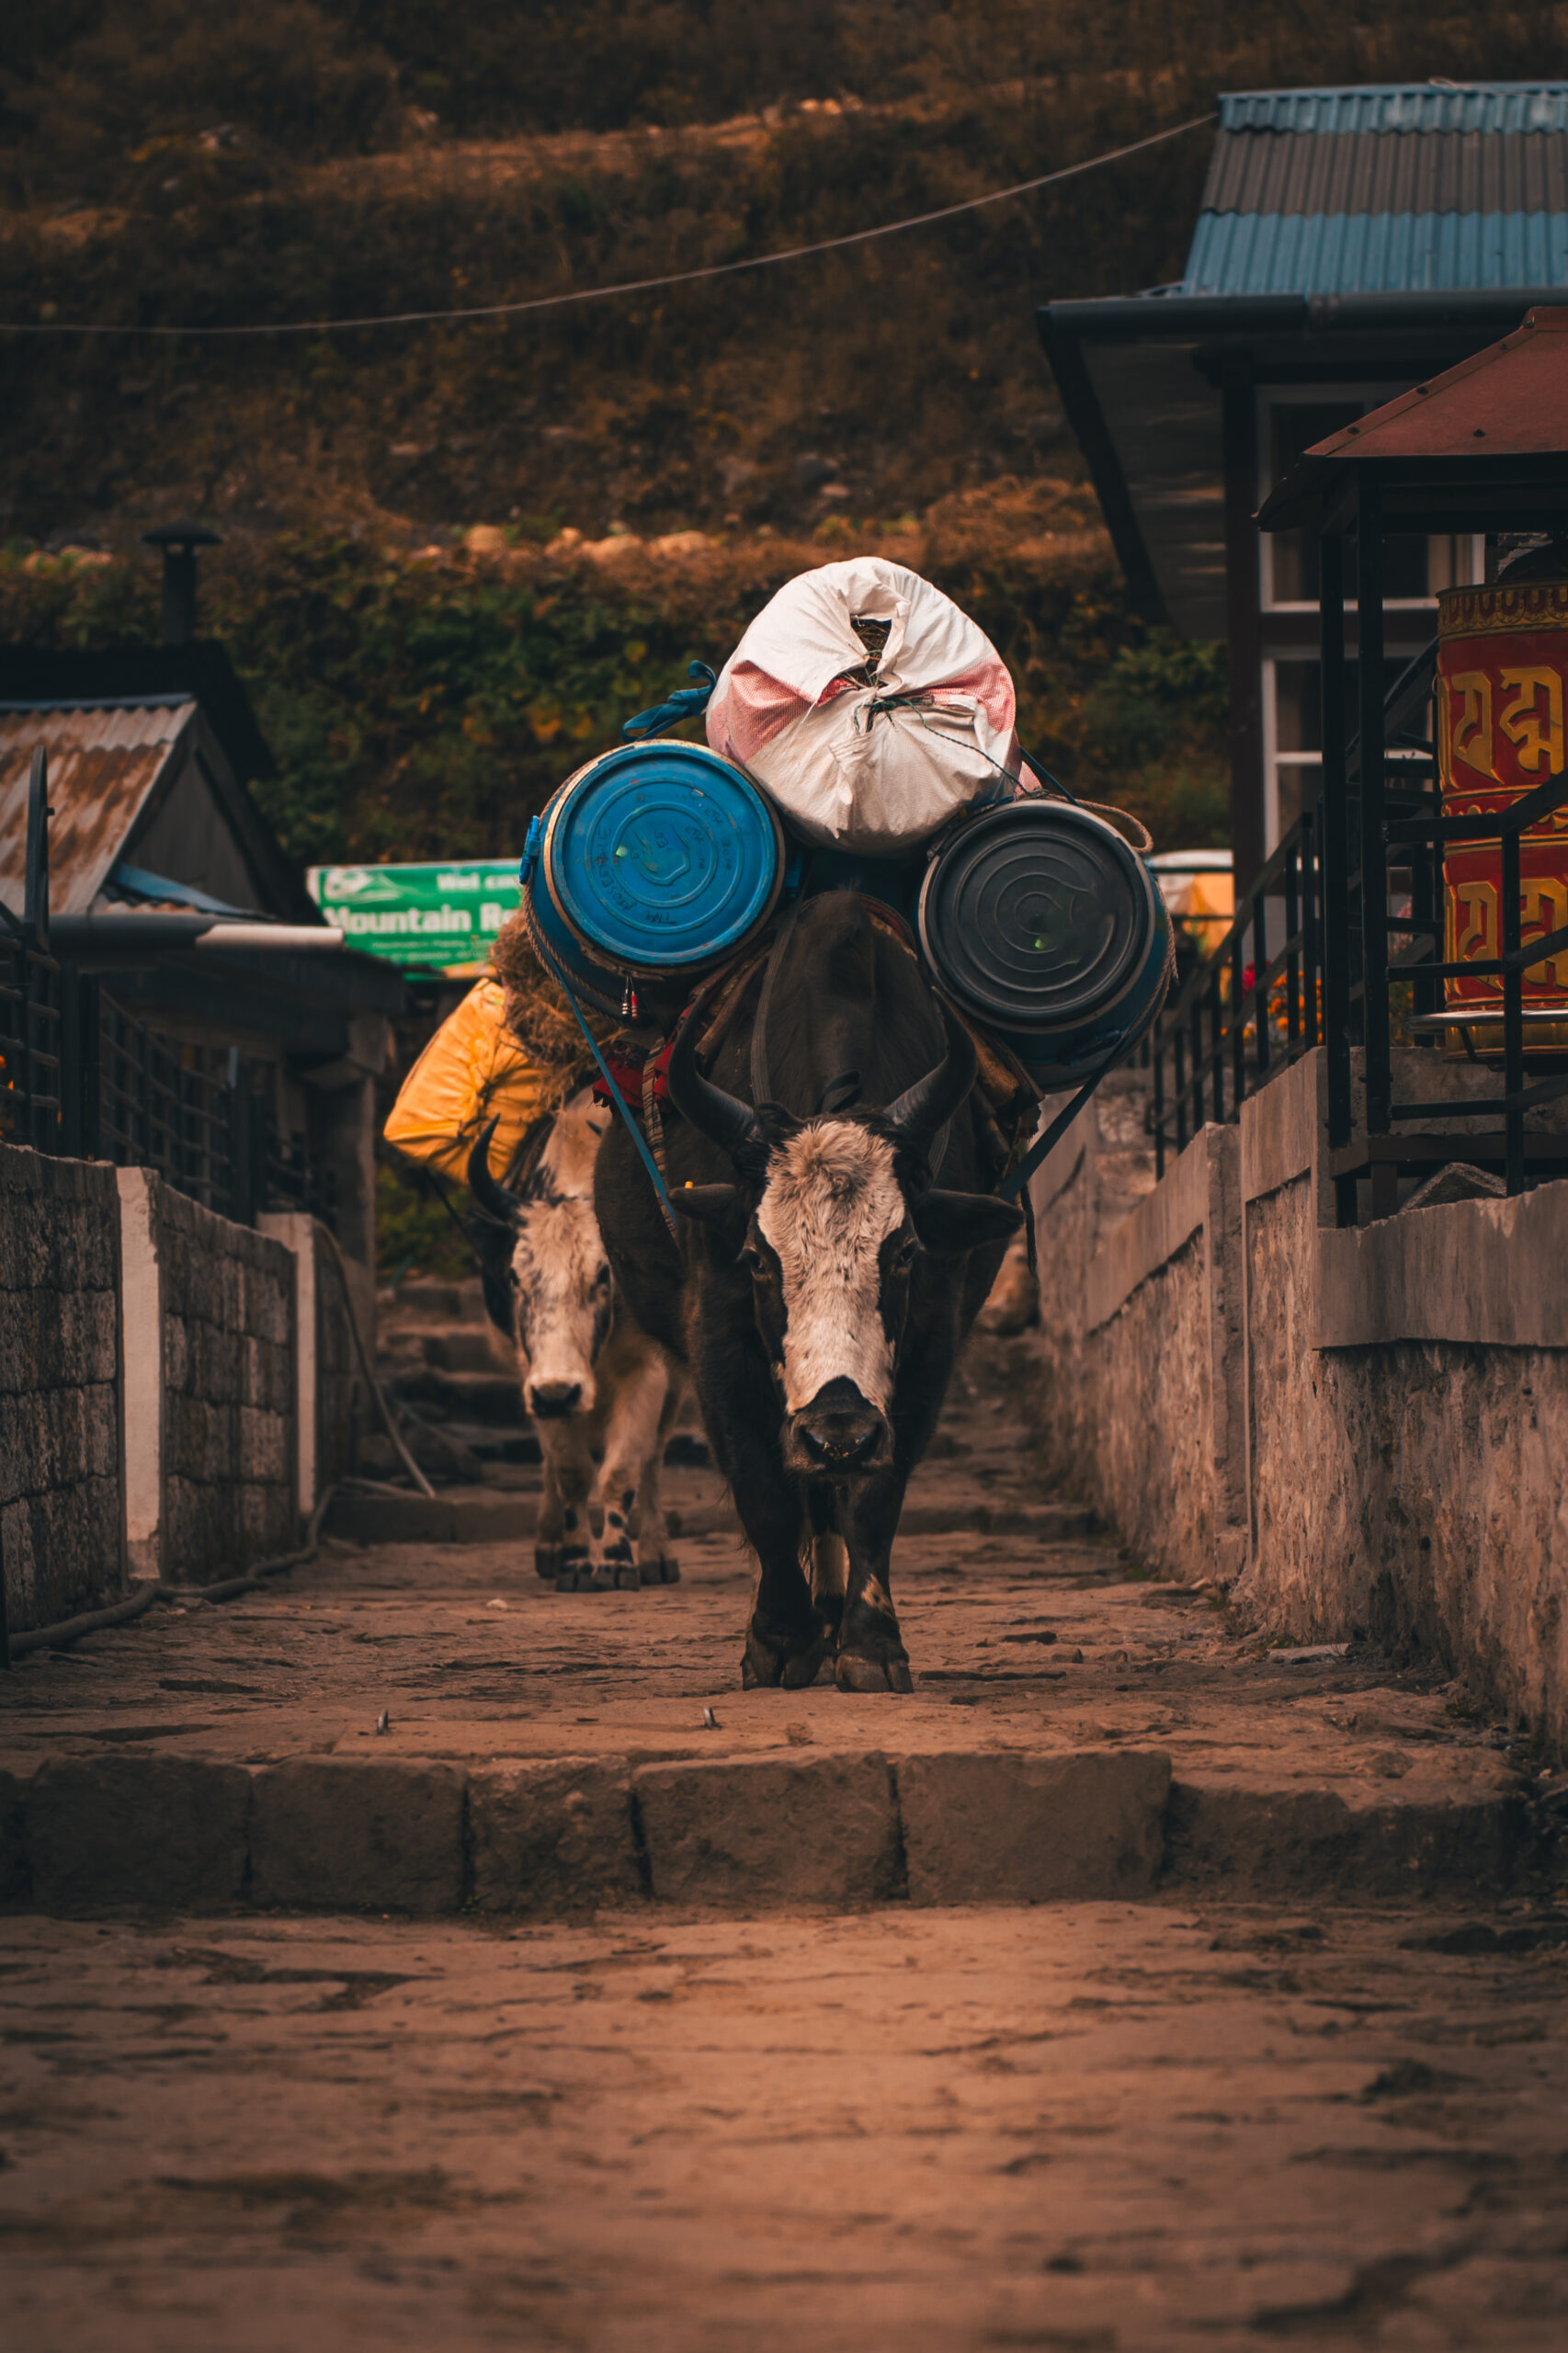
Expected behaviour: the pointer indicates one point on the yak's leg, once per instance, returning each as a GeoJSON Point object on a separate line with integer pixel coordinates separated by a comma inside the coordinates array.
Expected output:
{"type": "Point", "coordinates": [871, 1657]}
{"type": "Point", "coordinates": [657, 1563]}
{"type": "Point", "coordinates": [631, 1435]}
{"type": "Point", "coordinates": [829, 1564]}
{"type": "Point", "coordinates": [786, 1642]}
{"type": "Point", "coordinates": [550, 1529]}
{"type": "Point", "coordinates": [569, 1477]}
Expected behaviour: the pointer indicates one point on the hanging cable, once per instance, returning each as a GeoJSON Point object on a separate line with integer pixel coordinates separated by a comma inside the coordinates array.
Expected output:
{"type": "Point", "coordinates": [633, 286]}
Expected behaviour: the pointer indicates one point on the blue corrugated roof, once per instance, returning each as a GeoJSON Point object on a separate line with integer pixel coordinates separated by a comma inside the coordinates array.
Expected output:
{"type": "Point", "coordinates": [1375, 109]}
{"type": "Point", "coordinates": [1385, 189]}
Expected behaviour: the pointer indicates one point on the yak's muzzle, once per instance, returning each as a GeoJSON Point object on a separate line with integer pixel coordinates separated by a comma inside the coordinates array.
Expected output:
{"type": "Point", "coordinates": [838, 1435]}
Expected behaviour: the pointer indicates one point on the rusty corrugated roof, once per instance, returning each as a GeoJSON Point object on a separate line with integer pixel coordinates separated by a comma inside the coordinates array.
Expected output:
{"type": "Point", "coordinates": [104, 760]}
{"type": "Point", "coordinates": [1506, 401]}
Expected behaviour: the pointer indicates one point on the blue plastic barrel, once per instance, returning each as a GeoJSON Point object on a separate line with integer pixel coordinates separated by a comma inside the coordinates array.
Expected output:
{"type": "Point", "coordinates": [655, 860]}
{"type": "Point", "coordinates": [1040, 921]}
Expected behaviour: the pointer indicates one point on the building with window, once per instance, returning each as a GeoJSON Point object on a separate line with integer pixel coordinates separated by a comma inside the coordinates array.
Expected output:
{"type": "Point", "coordinates": [1351, 243]}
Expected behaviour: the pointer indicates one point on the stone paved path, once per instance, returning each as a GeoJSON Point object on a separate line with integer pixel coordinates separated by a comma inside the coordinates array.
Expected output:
{"type": "Point", "coordinates": [777, 2086]}
{"type": "Point", "coordinates": [1093, 2128]}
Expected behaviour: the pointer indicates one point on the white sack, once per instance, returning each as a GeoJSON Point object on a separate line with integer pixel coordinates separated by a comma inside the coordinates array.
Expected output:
{"type": "Point", "coordinates": [845, 768]}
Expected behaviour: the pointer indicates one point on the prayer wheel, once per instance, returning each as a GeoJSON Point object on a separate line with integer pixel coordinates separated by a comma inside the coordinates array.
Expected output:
{"type": "Point", "coordinates": [1502, 669]}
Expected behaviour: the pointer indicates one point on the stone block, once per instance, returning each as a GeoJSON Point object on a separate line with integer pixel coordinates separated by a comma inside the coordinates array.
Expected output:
{"type": "Point", "coordinates": [335, 1837]}
{"type": "Point", "coordinates": [1261, 1845]}
{"type": "Point", "coordinates": [109, 1831]}
{"type": "Point", "coordinates": [1008, 1827]}
{"type": "Point", "coordinates": [263, 1445]}
{"type": "Point", "coordinates": [553, 1837]}
{"type": "Point", "coordinates": [62, 1551]}
{"type": "Point", "coordinates": [770, 1830]}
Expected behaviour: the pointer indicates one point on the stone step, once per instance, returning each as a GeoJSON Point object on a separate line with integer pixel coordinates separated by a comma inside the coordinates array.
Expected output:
{"type": "Point", "coordinates": [450, 1348]}
{"type": "Point", "coordinates": [470, 1517]}
{"type": "Point", "coordinates": [460, 1396]}
{"type": "Point", "coordinates": [427, 1298]}
{"type": "Point", "coordinates": [838, 1828]}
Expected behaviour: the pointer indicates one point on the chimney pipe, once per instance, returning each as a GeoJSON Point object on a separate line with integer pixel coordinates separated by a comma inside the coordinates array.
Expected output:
{"type": "Point", "coordinates": [179, 542]}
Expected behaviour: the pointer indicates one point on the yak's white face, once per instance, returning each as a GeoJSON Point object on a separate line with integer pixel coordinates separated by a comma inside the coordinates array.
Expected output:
{"type": "Point", "coordinates": [831, 1208]}
{"type": "Point", "coordinates": [562, 1292]}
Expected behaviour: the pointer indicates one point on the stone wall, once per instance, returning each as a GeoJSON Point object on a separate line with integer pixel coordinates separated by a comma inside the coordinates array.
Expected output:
{"type": "Point", "coordinates": [1139, 1402]}
{"type": "Point", "coordinates": [61, 1540]}
{"type": "Point", "coordinates": [1409, 1395]}
{"type": "Point", "coordinates": [1360, 1432]}
{"type": "Point", "coordinates": [227, 1310]}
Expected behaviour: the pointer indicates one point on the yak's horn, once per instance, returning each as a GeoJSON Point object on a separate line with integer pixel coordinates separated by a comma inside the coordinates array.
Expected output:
{"type": "Point", "coordinates": [492, 1198]}
{"type": "Point", "coordinates": [722, 1117]}
{"type": "Point", "coordinates": [930, 1103]}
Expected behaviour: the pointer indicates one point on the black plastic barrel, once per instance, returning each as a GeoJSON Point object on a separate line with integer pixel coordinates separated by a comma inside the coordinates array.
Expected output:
{"type": "Point", "coordinates": [1040, 921]}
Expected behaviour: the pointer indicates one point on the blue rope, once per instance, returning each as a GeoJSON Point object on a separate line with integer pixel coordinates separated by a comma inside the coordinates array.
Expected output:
{"type": "Point", "coordinates": [686, 702]}
{"type": "Point", "coordinates": [542, 949]}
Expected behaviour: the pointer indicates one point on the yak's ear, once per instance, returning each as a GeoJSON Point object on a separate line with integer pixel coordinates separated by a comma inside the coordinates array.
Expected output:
{"type": "Point", "coordinates": [712, 1204]}
{"type": "Point", "coordinates": [950, 1223]}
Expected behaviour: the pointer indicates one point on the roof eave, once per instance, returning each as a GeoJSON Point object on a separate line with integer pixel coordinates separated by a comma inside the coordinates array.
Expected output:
{"type": "Point", "coordinates": [1139, 318]}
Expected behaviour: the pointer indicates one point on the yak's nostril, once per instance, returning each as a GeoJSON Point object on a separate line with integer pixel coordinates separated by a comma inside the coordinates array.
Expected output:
{"type": "Point", "coordinates": [841, 1448]}
{"type": "Point", "coordinates": [550, 1399]}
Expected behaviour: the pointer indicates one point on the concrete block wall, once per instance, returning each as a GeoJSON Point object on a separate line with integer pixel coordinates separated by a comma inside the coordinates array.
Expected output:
{"type": "Point", "coordinates": [174, 1390]}
{"type": "Point", "coordinates": [227, 1322]}
{"type": "Point", "coordinates": [1359, 1432]}
{"type": "Point", "coordinates": [62, 1536]}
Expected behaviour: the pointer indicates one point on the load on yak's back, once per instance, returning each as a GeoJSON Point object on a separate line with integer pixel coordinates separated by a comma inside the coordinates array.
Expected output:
{"type": "Point", "coordinates": [862, 735]}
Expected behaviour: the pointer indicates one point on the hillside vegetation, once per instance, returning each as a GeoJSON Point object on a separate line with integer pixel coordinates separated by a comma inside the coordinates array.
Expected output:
{"type": "Point", "coordinates": [400, 581]}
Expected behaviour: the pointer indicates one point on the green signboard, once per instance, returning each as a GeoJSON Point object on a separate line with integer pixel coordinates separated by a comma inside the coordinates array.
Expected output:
{"type": "Point", "coordinates": [440, 917]}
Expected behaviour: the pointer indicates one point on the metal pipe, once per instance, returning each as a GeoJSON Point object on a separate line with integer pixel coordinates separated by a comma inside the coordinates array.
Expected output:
{"type": "Point", "coordinates": [114, 934]}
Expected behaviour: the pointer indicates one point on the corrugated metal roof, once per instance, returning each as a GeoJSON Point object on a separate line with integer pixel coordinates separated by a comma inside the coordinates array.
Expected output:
{"type": "Point", "coordinates": [1381, 106]}
{"type": "Point", "coordinates": [103, 762]}
{"type": "Point", "coordinates": [1385, 190]}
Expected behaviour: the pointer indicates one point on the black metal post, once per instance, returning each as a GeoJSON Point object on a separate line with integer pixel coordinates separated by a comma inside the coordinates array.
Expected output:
{"type": "Point", "coordinates": [1374, 843]}
{"type": "Point", "coordinates": [1216, 1035]}
{"type": "Point", "coordinates": [1238, 1023]}
{"type": "Point", "coordinates": [86, 1091]}
{"type": "Point", "coordinates": [35, 899]}
{"type": "Point", "coordinates": [1335, 857]}
{"type": "Point", "coordinates": [1159, 1103]}
{"type": "Point", "coordinates": [1512, 1020]}
{"type": "Point", "coordinates": [1313, 938]}
{"type": "Point", "coordinates": [1293, 878]}
{"type": "Point", "coordinates": [1259, 986]}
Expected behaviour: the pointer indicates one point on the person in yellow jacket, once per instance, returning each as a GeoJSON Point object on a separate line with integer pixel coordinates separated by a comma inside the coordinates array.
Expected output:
{"type": "Point", "coordinates": [511, 1052]}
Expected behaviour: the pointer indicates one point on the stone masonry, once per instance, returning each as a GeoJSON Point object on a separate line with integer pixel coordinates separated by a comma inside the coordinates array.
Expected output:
{"type": "Point", "coordinates": [227, 1305]}
{"type": "Point", "coordinates": [62, 1542]}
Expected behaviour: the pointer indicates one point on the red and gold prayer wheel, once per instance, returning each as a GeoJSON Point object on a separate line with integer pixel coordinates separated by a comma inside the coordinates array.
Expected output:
{"type": "Point", "coordinates": [1501, 677]}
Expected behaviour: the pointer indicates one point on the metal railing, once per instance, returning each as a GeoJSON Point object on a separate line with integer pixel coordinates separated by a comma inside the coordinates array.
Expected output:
{"type": "Point", "coordinates": [31, 988]}
{"type": "Point", "coordinates": [1248, 1010]}
{"type": "Point", "coordinates": [1380, 794]}
{"type": "Point", "coordinates": [82, 1076]}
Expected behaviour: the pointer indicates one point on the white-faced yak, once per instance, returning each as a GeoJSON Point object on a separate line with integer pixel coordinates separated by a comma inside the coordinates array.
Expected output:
{"type": "Point", "coordinates": [601, 1394]}
{"type": "Point", "coordinates": [824, 1279]}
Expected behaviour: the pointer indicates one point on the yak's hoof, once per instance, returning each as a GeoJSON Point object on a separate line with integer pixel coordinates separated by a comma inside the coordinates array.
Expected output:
{"type": "Point", "coordinates": [787, 1658]}
{"type": "Point", "coordinates": [549, 1560]}
{"type": "Point", "coordinates": [854, 1672]}
{"type": "Point", "coordinates": [626, 1579]}
{"type": "Point", "coordinates": [665, 1569]}
{"type": "Point", "coordinates": [575, 1580]}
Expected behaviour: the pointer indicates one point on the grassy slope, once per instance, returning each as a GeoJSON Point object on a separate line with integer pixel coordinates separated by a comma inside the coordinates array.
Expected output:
{"type": "Point", "coordinates": [327, 158]}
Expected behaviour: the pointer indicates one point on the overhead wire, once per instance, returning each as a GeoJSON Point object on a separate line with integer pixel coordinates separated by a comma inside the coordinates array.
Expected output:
{"type": "Point", "coordinates": [605, 293]}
